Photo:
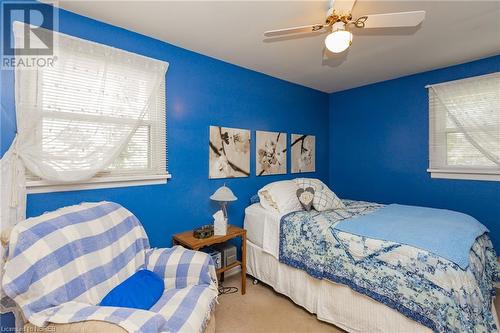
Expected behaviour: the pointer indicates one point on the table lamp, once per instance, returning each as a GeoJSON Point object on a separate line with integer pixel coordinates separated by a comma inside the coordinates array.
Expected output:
{"type": "Point", "coordinates": [223, 195]}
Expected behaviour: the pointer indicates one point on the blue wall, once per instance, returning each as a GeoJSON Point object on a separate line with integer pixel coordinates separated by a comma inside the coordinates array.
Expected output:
{"type": "Point", "coordinates": [201, 91]}
{"type": "Point", "coordinates": [372, 144]}
{"type": "Point", "coordinates": [379, 147]}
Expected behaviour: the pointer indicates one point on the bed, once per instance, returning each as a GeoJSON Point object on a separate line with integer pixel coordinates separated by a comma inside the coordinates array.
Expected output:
{"type": "Point", "coordinates": [345, 280]}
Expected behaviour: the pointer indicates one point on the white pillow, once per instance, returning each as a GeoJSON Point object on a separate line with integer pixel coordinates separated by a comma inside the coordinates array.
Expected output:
{"type": "Point", "coordinates": [280, 197]}
{"type": "Point", "coordinates": [326, 199]}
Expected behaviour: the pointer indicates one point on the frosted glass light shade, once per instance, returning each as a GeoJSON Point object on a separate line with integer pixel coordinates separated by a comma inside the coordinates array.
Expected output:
{"type": "Point", "coordinates": [223, 193]}
{"type": "Point", "coordinates": [338, 41]}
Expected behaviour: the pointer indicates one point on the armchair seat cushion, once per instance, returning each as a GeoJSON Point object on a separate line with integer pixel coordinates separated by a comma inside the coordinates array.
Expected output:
{"type": "Point", "coordinates": [89, 326]}
{"type": "Point", "coordinates": [94, 326]}
{"type": "Point", "coordinates": [177, 305]}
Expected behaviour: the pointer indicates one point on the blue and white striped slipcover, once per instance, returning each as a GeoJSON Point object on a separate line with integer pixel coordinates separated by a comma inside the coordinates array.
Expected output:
{"type": "Point", "coordinates": [61, 264]}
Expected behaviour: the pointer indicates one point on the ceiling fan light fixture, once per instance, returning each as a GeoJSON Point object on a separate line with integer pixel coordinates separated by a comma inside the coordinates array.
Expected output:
{"type": "Point", "coordinates": [338, 41]}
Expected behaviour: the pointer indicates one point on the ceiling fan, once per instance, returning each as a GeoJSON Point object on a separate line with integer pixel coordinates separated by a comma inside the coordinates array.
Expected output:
{"type": "Point", "coordinates": [339, 20]}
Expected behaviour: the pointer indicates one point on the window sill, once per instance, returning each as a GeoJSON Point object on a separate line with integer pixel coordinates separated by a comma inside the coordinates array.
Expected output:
{"type": "Point", "coordinates": [492, 175]}
{"type": "Point", "coordinates": [42, 186]}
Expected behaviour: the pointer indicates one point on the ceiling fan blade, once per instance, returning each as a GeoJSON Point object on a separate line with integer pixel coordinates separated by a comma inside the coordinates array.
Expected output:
{"type": "Point", "coordinates": [342, 7]}
{"type": "Point", "coordinates": [392, 20]}
{"type": "Point", "coordinates": [295, 30]}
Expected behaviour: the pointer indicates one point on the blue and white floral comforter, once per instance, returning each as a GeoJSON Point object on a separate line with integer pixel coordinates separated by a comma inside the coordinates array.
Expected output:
{"type": "Point", "coordinates": [421, 285]}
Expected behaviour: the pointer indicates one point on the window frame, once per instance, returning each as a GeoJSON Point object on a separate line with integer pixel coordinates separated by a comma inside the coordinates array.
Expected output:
{"type": "Point", "coordinates": [42, 186]}
{"type": "Point", "coordinates": [438, 131]}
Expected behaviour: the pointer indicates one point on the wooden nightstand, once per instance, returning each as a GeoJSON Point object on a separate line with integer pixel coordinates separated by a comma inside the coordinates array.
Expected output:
{"type": "Point", "coordinates": [187, 240]}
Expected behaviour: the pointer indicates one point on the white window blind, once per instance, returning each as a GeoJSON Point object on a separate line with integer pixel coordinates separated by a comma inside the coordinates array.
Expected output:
{"type": "Point", "coordinates": [465, 128]}
{"type": "Point", "coordinates": [86, 102]}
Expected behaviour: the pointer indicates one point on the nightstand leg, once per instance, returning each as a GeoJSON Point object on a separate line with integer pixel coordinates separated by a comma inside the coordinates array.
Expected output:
{"type": "Point", "coordinates": [244, 264]}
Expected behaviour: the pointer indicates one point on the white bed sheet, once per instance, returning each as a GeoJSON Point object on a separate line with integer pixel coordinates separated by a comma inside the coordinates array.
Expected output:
{"type": "Point", "coordinates": [263, 228]}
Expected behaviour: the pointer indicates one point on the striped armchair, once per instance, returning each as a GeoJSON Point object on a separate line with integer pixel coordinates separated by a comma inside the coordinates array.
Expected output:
{"type": "Point", "coordinates": [61, 264]}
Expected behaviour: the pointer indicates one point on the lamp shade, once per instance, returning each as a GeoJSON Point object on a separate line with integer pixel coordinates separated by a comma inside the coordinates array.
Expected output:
{"type": "Point", "coordinates": [223, 193]}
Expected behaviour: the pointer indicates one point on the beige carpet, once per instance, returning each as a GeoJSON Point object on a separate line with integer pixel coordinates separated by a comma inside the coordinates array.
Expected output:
{"type": "Point", "coordinates": [262, 310]}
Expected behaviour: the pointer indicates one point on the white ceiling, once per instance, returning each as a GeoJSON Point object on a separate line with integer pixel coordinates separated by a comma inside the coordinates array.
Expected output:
{"type": "Point", "coordinates": [453, 32]}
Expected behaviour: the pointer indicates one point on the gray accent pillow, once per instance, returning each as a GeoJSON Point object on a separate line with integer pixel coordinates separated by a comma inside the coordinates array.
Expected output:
{"type": "Point", "coordinates": [306, 197]}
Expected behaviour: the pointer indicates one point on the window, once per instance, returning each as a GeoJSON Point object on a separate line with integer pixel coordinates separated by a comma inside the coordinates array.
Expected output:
{"type": "Point", "coordinates": [465, 128]}
{"type": "Point", "coordinates": [86, 102]}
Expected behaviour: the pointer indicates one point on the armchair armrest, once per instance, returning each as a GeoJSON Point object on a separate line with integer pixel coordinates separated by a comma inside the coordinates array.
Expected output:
{"type": "Point", "coordinates": [181, 267]}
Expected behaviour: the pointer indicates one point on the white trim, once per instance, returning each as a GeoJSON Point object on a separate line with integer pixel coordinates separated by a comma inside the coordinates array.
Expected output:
{"type": "Point", "coordinates": [42, 186]}
{"type": "Point", "coordinates": [468, 171]}
{"type": "Point", "coordinates": [465, 174]}
{"type": "Point", "coordinates": [461, 80]}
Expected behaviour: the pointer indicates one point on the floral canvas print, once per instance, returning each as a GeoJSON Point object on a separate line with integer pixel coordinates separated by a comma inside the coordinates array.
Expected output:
{"type": "Point", "coordinates": [229, 152]}
{"type": "Point", "coordinates": [303, 153]}
{"type": "Point", "coordinates": [270, 150]}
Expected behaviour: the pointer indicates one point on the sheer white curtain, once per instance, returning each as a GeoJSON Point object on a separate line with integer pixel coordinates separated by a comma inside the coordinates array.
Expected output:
{"type": "Point", "coordinates": [96, 86]}
{"type": "Point", "coordinates": [465, 124]}
{"type": "Point", "coordinates": [12, 210]}
{"type": "Point", "coordinates": [109, 84]}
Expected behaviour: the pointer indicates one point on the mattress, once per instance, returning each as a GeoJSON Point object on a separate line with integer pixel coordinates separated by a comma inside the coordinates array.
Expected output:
{"type": "Point", "coordinates": [263, 228]}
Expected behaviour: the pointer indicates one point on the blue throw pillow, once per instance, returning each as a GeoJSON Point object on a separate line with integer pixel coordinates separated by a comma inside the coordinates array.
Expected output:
{"type": "Point", "coordinates": [140, 291]}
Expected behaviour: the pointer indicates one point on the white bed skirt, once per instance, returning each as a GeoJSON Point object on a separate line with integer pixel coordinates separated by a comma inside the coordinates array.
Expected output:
{"type": "Point", "coordinates": [331, 302]}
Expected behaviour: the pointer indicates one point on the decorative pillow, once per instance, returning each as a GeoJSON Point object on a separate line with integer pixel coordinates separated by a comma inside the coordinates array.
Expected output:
{"type": "Point", "coordinates": [306, 197]}
{"type": "Point", "coordinates": [315, 183]}
{"type": "Point", "coordinates": [326, 199]}
{"type": "Point", "coordinates": [140, 291]}
{"type": "Point", "coordinates": [254, 199]}
{"type": "Point", "coordinates": [280, 197]}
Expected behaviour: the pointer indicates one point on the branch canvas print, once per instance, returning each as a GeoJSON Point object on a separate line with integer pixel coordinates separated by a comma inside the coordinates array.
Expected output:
{"type": "Point", "coordinates": [270, 154]}
{"type": "Point", "coordinates": [303, 153]}
{"type": "Point", "coordinates": [229, 152]}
